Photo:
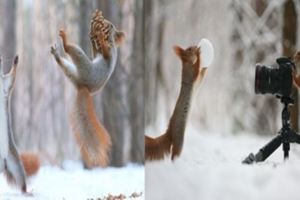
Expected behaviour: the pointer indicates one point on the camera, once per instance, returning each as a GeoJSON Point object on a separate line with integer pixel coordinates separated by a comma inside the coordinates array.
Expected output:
{"type": "Point", "coordinates": [276, 80]}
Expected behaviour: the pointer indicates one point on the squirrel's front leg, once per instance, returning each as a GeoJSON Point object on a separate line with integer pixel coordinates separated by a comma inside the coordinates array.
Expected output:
{"type": "Point", "coordinates": [105, 49]}
{"type": "Point", "coordinates": [68, 68]}
{"type": "Point", "coordinates": [63, 36]}
{"type": "Point", "coordinates": [55, 54]}
{"type": "Point", "coordinates": [78, 56]}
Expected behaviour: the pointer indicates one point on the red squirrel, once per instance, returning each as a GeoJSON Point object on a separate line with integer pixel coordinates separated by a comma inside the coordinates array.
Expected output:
{"type": "Point", "coordinates": [88, 77]}
{"type": "Point", "coordinates": [16, 167]}
{"type": "Point", "coordinates": [172, 141]}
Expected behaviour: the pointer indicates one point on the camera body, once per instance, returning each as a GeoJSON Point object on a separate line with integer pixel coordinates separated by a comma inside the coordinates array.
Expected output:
{"type": "Point", "coordinates": [275, 80]}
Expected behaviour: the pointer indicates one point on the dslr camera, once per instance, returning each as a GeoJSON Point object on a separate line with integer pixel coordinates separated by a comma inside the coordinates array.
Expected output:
{"type": "Point", "coordinates": [277, 80]}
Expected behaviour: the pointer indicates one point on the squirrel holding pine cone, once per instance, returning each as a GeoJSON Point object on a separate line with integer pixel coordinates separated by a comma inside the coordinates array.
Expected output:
{"type": "Point", "coordinates": [89, 76]}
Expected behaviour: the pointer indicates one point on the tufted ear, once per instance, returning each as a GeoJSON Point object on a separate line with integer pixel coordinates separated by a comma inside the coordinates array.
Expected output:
{"type": "Point", "coordinates": [16, 61]}
{"type": "Point", "coordinates": [178, 51]}
{"type": "Point", "coordinates": [13, 69]}
{"type": "Point", "coordinates": [9, 78]}
{"type": "Point", "coordinates": [119, 37]}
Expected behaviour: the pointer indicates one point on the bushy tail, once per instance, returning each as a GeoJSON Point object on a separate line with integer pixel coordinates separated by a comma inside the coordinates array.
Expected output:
{"type": "Point", "coordinates": [92, 137]}
{"type": "Point", "coordinates": [158, 148]}
{"type": "Point", "coordinates": [31, 163]}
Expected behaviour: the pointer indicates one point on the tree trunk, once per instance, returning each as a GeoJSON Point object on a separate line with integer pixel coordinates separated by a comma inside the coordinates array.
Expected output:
{"type": "Point", "coordinates": [8, 47]}
{"type": "Point", "coordinates": [136, 86]}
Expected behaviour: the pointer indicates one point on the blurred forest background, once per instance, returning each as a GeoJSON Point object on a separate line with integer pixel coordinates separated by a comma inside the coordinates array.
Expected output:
{"type": "Point", "coordinates": [43, 96]}
{"type": "Point", "coordinates": [243, 33]}
{"type": "Point", "coordinates": [148, 72]}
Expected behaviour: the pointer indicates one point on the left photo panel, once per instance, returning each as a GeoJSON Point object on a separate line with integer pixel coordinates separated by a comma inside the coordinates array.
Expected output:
{"type": "Point", "coordinates": [71, 99]}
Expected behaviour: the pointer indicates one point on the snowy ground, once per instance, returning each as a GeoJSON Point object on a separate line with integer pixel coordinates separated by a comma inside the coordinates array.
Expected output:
{"type": "Point", "coordinates": [73, 182]}
{"type": "Point", "coordinates": [210, 169]}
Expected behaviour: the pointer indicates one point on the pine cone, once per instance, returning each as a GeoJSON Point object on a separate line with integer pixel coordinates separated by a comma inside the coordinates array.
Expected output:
{"type": "Point", "coordinates": [100, 29]}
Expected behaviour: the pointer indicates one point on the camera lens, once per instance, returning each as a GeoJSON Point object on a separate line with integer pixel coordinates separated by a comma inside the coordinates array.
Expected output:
{"type": "Point", "coordinates": [262, 79]}
{"type": "Point", "coordinates": [276, 80]}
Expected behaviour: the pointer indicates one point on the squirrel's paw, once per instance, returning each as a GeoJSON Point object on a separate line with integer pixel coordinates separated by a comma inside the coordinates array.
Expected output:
{"type": "Point", "coordinates": [54, 51]}
{"type": "Point", "coordinates": [62, 34]}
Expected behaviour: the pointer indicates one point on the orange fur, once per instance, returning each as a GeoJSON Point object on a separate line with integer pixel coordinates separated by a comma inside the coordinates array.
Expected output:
{"type": "Point", "coordinates": [92, 137]}
{"type": "Point", "coordinates": [172, 140]}
{"type": "Point", "coordinates": [31, 163]}
{"type": "Point", "coordinates": [63, 36]}
{"type": "Point", "coordinates": [89, 78]}
{"type": "Point", "coordinates": [157, 148]}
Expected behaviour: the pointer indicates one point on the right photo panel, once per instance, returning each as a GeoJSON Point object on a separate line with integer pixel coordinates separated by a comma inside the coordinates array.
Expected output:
{"type": "Point", "coordinates": [221, 99]}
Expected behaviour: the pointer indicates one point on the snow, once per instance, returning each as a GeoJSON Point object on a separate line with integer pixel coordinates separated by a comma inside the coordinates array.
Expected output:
{"type": "Point", "coordinates": [210, 169]}
{"type": "Point", "coordinates": [73, 182]}
{"type": "Point", "coordinates": [207, 52]}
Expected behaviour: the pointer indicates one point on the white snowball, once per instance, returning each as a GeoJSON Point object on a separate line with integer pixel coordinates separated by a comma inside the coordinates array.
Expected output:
{"type": "Point", "coordinates": [207, 52]}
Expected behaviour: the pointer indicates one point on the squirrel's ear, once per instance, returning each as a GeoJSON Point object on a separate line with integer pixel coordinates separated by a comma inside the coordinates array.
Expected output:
{"type": "Point", "coordinates": [14, 66]}
{"type": "Point", "coordinates": [16, 61]}
{"type": "Point", "coordinates": [119, 38]}
{"type": "Point", "coordinates": [178, 51]}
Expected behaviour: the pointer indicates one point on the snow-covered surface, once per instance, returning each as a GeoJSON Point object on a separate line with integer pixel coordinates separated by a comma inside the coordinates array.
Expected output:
{"type": "Point", "coordinates": [210, 169]}
{"type": "Point", "coordinates": [73, 182]}
{"type": "Point", "coordinates": [207, 52]}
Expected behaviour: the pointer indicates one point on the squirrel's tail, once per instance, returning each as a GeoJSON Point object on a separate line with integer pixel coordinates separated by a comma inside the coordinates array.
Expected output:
{"type": "Point", "coordinates": [91, 136]}
{"type": "Point", "coordinates": [31, 163]}
{"type": "Point", "coordinates": [158, 148]}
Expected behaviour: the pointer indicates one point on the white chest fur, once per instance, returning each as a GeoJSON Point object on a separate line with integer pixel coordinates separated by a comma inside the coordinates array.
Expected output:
{"type": "Point", "coordinates": [3, 124]}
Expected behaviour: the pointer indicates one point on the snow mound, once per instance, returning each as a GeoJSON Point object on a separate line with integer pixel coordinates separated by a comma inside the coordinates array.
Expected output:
{"type": "Point", "coordinates": [210, 169]}
{"type": "Point", "coordinates": [73, 182]}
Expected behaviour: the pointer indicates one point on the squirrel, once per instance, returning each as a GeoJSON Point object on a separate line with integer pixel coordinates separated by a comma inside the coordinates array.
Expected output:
{"type": "Point", "coordinates": [15, 167]}
{"type": "Point", "coordinates": [172, 140]}
{"type": "Point", "coordinates": [88, 77]}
